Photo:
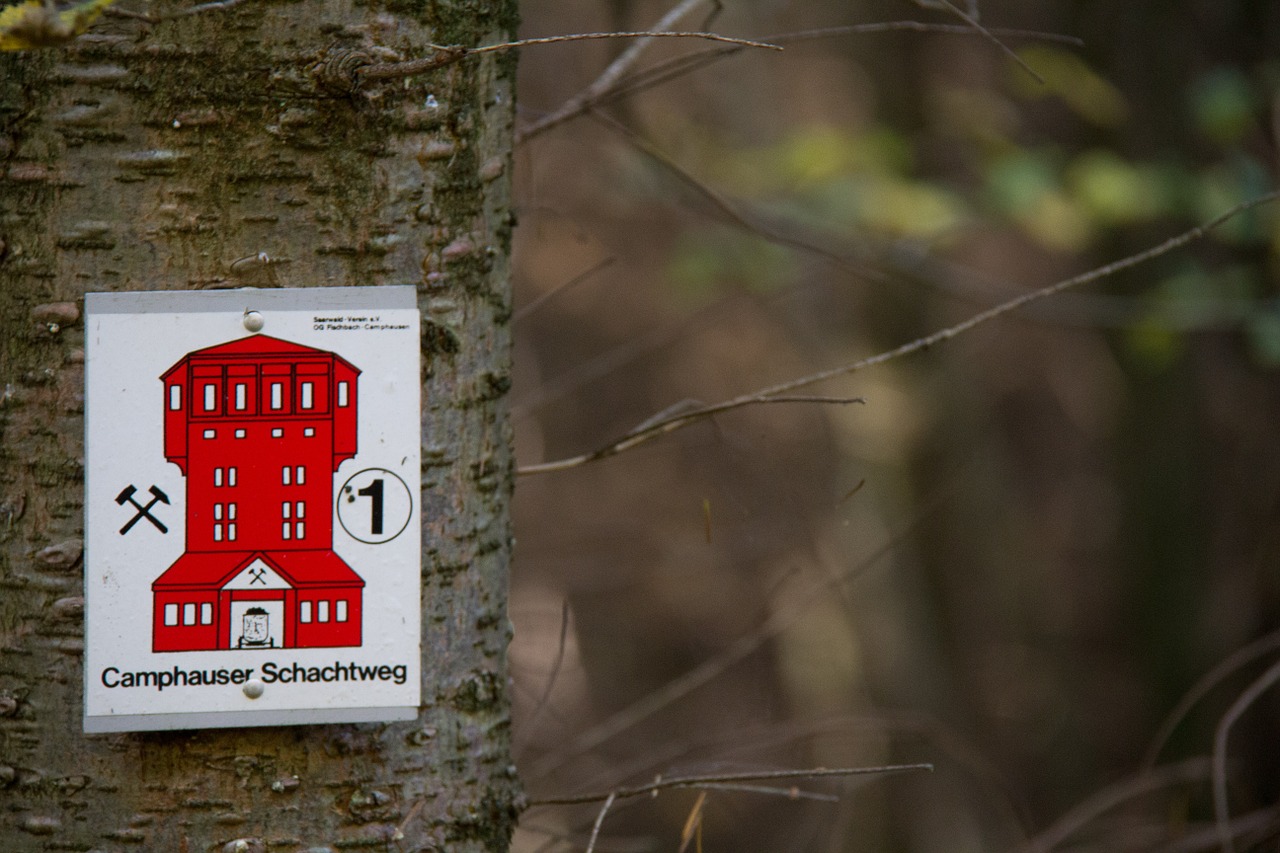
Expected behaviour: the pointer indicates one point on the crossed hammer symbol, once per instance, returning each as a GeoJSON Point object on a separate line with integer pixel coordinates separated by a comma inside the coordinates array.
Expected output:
{"type": "Point", "coordinates": [157, 496]}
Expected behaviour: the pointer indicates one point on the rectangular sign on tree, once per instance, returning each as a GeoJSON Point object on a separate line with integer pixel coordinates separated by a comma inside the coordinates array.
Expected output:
{"type": "Point", "coordinates": [252, 508]}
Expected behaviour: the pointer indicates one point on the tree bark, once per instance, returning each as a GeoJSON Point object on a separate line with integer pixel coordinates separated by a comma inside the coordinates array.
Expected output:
{"type": "Point", "coordinates": [239, 147]}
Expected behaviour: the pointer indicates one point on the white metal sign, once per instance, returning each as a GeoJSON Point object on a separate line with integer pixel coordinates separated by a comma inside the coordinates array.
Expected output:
{"type": "Point", "coordinates": [252, 508]}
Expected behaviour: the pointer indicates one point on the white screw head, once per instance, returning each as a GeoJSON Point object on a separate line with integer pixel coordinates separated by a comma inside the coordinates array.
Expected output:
{"type": "Point", "coordinates": [253, 321]}
{"type": "Point", "coordinates": [255, 688]}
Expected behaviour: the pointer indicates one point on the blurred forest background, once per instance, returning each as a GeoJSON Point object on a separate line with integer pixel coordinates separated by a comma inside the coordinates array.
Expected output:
{"type": "Point", "coordinates": [1026, 546]}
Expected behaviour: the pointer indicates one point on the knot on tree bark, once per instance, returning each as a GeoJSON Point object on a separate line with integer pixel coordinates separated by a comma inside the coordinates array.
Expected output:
{"type": "Point", "coordinates": [337, 71]}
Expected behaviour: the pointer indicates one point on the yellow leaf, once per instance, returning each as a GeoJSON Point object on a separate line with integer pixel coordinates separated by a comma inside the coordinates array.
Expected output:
{"type": "Point", "coordinates": [46, 23]}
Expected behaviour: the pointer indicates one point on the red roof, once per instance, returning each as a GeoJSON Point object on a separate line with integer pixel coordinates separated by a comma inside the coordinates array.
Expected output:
{"type": "Point", "coordinates": [255, 346]}
{"type": "Point", "coordinates": [205, 570]}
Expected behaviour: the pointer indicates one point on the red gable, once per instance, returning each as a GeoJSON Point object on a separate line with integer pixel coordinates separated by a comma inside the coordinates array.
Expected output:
{"type": "Point", "coordinates": [204, 570]}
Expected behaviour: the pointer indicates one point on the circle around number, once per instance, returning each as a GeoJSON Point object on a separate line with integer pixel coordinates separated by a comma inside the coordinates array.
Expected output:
{"type": "Point", "coordinates": [349, 494]}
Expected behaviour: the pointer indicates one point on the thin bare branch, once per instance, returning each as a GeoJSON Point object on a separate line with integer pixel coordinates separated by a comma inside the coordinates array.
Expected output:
{"type": "Point", "coordinates": [636, 438]}
{"type": "Point", "coordinates": [562, 289]}
{"type": "Point", "coordinates": [729, 211]}
{"type": "Point", "coordinates": [711, 668]}
{"type": "Point", "coordinates": [1240, 658]}
{"type": "Point", "coordinates": [697, 781]}
{"type": "Point", "coordinates": [555, 667]}
{"type": "Point", "coordinates": [644, 34]}
{"type": "Point", "coordinates": [620, 66]}
{"type": "Point", "coordinates": [616, 88]}
{"type": "Point", "coordinates": [663, 426]}
{"type": "Point", "coordinates": [449, 54]}
{"type": "Point", "coordinates": [792, 793]}
{"type": "Point", "coordinates": [972, 21]}
{"type": "Point", "coordinates": [595, 830]}
{"type": "Point", "coordinates": [1192, 770]}
{"type": "Point", "coordinates": [1221, 803]}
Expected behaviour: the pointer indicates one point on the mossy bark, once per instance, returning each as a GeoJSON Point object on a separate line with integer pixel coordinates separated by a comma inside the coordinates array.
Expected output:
{"type": "Point", "coordinates": [237, 148]}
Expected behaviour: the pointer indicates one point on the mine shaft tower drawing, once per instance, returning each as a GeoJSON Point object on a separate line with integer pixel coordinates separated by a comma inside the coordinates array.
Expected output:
{"type": "Point", "coordinates": [258, 426]}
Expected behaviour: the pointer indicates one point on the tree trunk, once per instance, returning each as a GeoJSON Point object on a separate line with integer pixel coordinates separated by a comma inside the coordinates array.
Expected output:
{"type": "Point", "coordinates": [238, 147]}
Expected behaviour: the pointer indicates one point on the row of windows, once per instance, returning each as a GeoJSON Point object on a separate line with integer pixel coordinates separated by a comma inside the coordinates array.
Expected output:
{"type": "Point", "coordinates": [310, 397]}
{"type": "Point", "coordinates": [204, 611]}
{"type": "Point", "coordinates": [289, 475]}
{"type": "Point", "coordinates": [188, 614]}
{"type": "Point", "coordinates": [276, 432]}
{"type": "Point", "coordinates": [322, 611]}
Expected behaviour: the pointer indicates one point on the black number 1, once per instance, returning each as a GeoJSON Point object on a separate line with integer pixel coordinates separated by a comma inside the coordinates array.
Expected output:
{"type": "Point", "coordinates": [374, 491]}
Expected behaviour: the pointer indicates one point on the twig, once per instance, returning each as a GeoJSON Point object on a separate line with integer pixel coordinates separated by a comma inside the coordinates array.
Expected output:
{"type": "Point", "coordinates": [449, 54]}
{"type": "Point", "coordinates": [1221, 804]}
{"type": "Point", "coordinates": [973, 22]}
{"type": "Point", "coordinates": [597, 95]}
{"type": "Point", "coordinates": [636, 438]}
{"type": "Point", "coordinates": [792, 793]}
{"type": "Point", "coordinates": [595, 830]}
{"type": "Point", "coordinates": [1240, 658]}
{"type": "Point", "coordinates": [608, 77]}
{"type": "Point", "coordinates": [728, 210]}
{"type": "Point", "coordinates": [555, 667]}
{"type": "Point", "coordinates": [1113, 795]}
{"type": "Point", "coordinates": [712, 667]}
{"type": "Point", "coordinates": [560, 289]}
{"type": "Point", "coordinates": [661, 784]}
{"type": "Point", "coordinates": [671, 424]}
{"type": "Point", "coordinates": [643, 34]}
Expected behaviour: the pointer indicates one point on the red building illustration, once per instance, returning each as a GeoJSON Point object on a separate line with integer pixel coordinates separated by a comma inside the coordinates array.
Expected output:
{"type": "Point", "coordinates": [258, 427]}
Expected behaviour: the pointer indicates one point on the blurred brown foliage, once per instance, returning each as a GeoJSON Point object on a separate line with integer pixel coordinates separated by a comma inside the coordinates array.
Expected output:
{"type": "Point", "coordinates": [1025, 547]}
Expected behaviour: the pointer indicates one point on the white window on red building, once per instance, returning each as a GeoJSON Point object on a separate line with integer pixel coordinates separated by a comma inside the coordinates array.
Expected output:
{"type": "Point", "coordinates": [284, 475]}
{"type": "Point", "coordinates": [175, 397]}
{"type": "Point", "coordinates": [239, 433]}
{"type": "Point", "coordinates": [277, 432]}
{"type": "Point", "coordinates": [301, 475]}
{"type": "Point", "coordinates": [308, 391]}
{"type": "Point", "coordinates": [343, 391]}
{"type": "Point", "coordinates": [210, 397]}
{"type": "Point", "coordinates": [206, 614]}
{"type": "Point", "coordinates": [277, 395]}
{"type": "Point", "coordinates": [188, 614]}
{"type": "Point", "coordinates": [340, 610]}
{"type": "Point", "coordinates": [217, 477]}
{"type": "Point", "coordinates": [231, 476]}
{"type": "Point", "coordinates": [211, 433]}
{"type": "Point", "coordinates": [171, 614]}
{"type": "Point", "coordinates": [242, 396]}
{"type": "Point", "coordinates": [304, 611]}
{"type": "Point", "coordinates": [322, 611]}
